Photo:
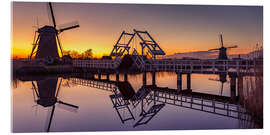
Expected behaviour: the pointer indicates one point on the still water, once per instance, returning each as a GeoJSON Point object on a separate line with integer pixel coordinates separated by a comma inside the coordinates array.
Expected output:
{"type": "Point", "coordinates": [98, 109]}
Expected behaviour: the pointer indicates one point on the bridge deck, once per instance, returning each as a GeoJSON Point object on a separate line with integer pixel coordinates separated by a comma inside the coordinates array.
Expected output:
{"type": "Point", "coordinates": [208, 66]}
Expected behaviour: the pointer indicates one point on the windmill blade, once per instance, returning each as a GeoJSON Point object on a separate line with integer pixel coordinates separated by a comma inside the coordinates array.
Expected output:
{"type": "Point", "coordinates": [34, 47]}
{"type": "Point", "coordinates": [213, 49]}
{"type": "Point", "coordinates": [221, 40]}
{"type": "Point", "coordinates": [58, 88]}
{"type": "Point", "coordinates": [52, 15]}
{"type": "Point", "coordinates": [35, 88]}
{"type": "Point", "coordinates": [221, 91]}
{"type": "Point", "coordinates": [59, 44]}
{"type": "Point", "coordinates": [61, 102]}
{"type": "Point", "coordinates": [67, 108]}
{"type": "Point", "coordinates": [37, 24]}
{"type": "Point", "coordinates": [34, 38]}
{"type": "Point", "coordinates": [34, 96]}
{"type": "Point", "coordinates": [50, 119]}
{"type": "Point", "coordinates": [68, 28]}
{"type": "Point", "coordinates": [235, 46]}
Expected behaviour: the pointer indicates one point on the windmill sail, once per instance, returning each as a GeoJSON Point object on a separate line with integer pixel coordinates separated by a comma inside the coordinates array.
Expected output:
{"type": "Point", "coordinates": [222, 50]}
{"type": "Point", "coordinates": [48, 41]}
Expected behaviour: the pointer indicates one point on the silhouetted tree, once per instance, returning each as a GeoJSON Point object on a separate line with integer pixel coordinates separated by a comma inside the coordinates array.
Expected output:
{"type": "Point", "coordinates": [88, 53]}
{"type": "Point", "coordinates": [66, 52]}
{"type": "Point", "coordinates": [74, 54]}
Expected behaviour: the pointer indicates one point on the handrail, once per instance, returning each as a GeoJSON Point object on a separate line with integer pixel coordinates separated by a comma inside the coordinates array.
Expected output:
{"type": "Point", "coordinates": [175, 65]}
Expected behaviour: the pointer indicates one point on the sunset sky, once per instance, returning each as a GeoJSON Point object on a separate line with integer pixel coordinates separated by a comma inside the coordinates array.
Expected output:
{"type": "Point", "coordinates": [176, 28]}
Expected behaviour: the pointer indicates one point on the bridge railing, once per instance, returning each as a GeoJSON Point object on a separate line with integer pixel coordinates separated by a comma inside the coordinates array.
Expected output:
{"type": "Point", "coordinates": [96, 63]}
{"type": "Point", "coordinates": [201, 65]}
{"type": "Point", "coordinates": [94, 84]}
{"type": "Point", "coordinates": [210, 106]}
{"type": "Point", "coordinates": [138, 60]}
{"type": "Point", "coordinates": [178, 65]}
{"type": "Point", "coordinates": [223, 108]}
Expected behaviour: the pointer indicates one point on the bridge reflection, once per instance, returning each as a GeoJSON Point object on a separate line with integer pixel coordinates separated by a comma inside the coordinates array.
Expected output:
{"type": "Point", "coordinates": [149, 99]}
{"type": "Point", "coordinates": [152, 98]}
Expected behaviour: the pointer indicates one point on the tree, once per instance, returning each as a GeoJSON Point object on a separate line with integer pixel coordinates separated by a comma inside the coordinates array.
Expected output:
{"type": "Point", "coordinates": [87, 54]}
{"type": "Point", "coordinates": [74, 54]}
{"type": "Point", "coordinates": [66, 52]}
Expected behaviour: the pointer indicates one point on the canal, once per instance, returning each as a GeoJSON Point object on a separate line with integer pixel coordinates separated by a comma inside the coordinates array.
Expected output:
{"type": "Point", "coordinates": [102, 109]}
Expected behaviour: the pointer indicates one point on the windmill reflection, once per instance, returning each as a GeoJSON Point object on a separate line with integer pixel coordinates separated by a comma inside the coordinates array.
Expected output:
{"type": "Point", "coordinates": [222, 79]}
{"type": "Point", "coordinates": [46, 94]}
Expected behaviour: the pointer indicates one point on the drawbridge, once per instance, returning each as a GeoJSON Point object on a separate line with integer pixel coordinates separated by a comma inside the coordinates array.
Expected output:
{"type": "Point", "coordinates": [149, 49]}
{"type": "Point", "coordinates": [149, 46]}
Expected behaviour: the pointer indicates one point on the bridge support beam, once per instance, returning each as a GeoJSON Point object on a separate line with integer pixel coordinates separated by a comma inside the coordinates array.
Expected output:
{"type": "Point", "coordinates": [153, 78]}
{"type": "Point", "coordinates": [117, 77]}
{"type": "Point", "coordinates": [240, 88]}
{"type": "Point", "coordinates": [144, 78]}
{"type": "Point", "coordinates": [188, 81]}
{"type": "Point", "coordinates": [233, 87]}
{"type": "Point", "coordinates": [108, 77]}
{"type": "Point", "coordinates": [179, 81]}
{"type": "Point", "coordinates": [125, 77]}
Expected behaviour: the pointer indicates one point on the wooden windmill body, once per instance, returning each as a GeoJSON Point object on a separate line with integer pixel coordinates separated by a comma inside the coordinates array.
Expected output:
{"type": "Point", "coordinates": [222, 55]}
{"type": "Point", "coordinates": [45, 92]}
{"type": "Point", "coordinates": [47, 43]}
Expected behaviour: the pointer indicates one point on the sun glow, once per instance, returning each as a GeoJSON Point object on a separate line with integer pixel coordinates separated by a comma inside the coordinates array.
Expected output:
{"type": "Point", "coordinates": [100, 27]}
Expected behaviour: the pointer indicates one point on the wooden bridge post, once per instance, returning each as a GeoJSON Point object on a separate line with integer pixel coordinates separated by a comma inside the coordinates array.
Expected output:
{"type": "Point", "coordinates": [153, 78]}
{"type": "Point", "coordinates": [233, 86]}
{"type": "Point", "coordinates": [117, 77]}
{"type": "Point", "coordinates": [108, 76]}
{"type": "Point", "coordinates": [179, 81]}
{"type": "Point", "coordinates": [188, 81]}
{"type": "Point", "coordinates": [144, 78]}
{"type": "Point", "coordinates": [240, 87]}
{"type": "Point", "coordinates": [125, 77]}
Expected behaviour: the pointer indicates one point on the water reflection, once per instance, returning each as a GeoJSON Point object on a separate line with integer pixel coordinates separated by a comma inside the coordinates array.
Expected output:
{"type": "Point", "coordinates": [139, 99]}
{"type": "Point", "coordinates": [45, 93]}
{"type": "Point", "coordinates": [222, 79]}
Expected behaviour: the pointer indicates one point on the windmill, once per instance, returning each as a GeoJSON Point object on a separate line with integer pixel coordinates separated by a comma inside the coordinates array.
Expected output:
{"type": "Point", "coordinates": [222, 50]}
{"type": "Point", "coordinates": [46, 95]}
{"type": "Point", "coordinates": [45, 44]}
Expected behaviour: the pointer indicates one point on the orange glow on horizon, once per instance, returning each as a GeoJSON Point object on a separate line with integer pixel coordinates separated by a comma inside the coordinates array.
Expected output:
{"type": "Point", "coordinates": [99, 51]}
{"type": "Point", "coordinates": [102, 24]}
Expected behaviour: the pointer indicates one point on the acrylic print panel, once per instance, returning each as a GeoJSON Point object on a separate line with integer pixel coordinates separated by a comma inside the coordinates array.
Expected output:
{"type": "Point", "coordinates": [130, 67]}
